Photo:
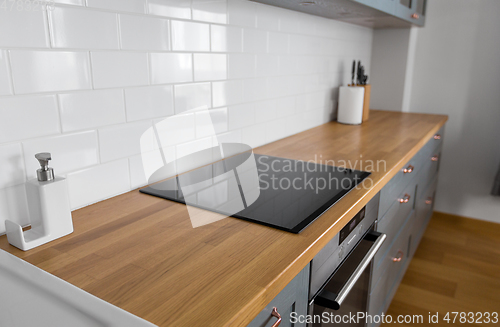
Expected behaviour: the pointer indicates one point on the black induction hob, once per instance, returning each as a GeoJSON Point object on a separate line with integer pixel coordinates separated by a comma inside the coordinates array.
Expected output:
{"type": "Point", "coordinates": [287, 194]}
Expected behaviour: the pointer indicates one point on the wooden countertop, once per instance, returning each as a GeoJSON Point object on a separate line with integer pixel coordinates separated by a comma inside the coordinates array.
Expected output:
{"type": "Point", "coordinates": [141, 253]}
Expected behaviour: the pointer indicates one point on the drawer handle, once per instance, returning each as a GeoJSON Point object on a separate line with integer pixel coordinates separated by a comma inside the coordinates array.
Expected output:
{"type": "Point", "coordinates": [399, 256]}
{"type": "Point", "coordinates": [405, 199]}
{"type": "Point", "coordinates": [435, 158]}
{"type": "Point", "coordinates": [415, 16]}
{"type": "Point", "coordinates": [428, 201]}
{"type": "Point", "coordinates": [408, 169]}
{"type": "Point", "coordinates": [437, 136]}
{"type": "Point", "coordinates": [275, 314]}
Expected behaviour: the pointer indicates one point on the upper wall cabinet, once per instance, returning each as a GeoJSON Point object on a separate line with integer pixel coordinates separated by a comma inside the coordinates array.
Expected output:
{"type": "Point", "coordinates": [370, 13]}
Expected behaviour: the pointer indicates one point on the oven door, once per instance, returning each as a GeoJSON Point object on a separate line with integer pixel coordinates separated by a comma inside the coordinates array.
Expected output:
{"type": "Point", "coordinates": [346, 291]}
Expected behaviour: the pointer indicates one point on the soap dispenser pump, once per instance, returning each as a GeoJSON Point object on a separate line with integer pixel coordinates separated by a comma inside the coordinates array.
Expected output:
{"type": "Point", "coordinates": [48, 206]}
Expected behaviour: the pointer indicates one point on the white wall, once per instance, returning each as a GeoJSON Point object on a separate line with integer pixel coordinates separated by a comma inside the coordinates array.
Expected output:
{"type": "Point", "coordinates": [457, 73]}
{"type": "Point", "coordinates": [85, 80]}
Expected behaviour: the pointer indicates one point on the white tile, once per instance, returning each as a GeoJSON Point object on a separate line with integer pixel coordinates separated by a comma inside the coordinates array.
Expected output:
{"type": "Point", "coordinates": [26, 117]}
{"type": "Point", "coordinates": [192, 96]}
{"type": "Point", "coordinates": [215, 125]}
{"type": "Point", "coordinates": [226, 38]}
{"type": "Point", "coordinates": [255, 89]}
{"type": "Point", "coordinates": [289, 65]}
{"type": "Point", "coordinates": [125, 140]}
{"type": "Point", "coordinates": [70, 152]}
{"type": "Point", "coordinates": [188, 36]}
{"type": "Point", "coordinates": [144, 33]}
{"type": "Point", "coordinates": [98, 183]}
{"type": "Point", "coordinates": [278, 43]}
{"type": "Point", "coordinates": [11, 161]}
{"type": "Point", "coordinates": [254, 41]}
{"type": "Point", "coordinates": [188, 148]}
{"type": "Point", "coordinates": [241, 12]}
{"type": "Point", "coordinates": [241, 65]}
{"type": "Point", "coordinates": [227, 93]}
{"type": "Point", "coordinates": [5, 85]}
{"type": "Point", "coordinates": [45, 71]}
{"type": "Point", "coordinates": [171, 68]}
{"type": "Point", "coordinates": [266, 65]}
{"type": "Point", "coordinates": [265, 110]}
{"type": "Point", "coordinates": [116, 69]}
{"type": "Point", "coordinates": [229, 137]}
{"type": "Point", "coordinates": [170, 8]}
{"type": "Point", "coordinates": [70, 28]}
{"type": "Point", "coordinates": [119, 5]}
{"type": "Point", "coordinates": [91, 109]}
{"type": "Point", "coordinates": [143, 166]}
{"type": "Point", "coordinates": [71, 2]}
{"type": "Point", "coordinates": [214, 11]}
{"type": "Point", "coordinates": [254, 136]}
{"type": "Point", "coordinates": [241, 115]}
{"type": "Point", "coordinates": [210, 67]}
{"type": "Point", "coordinates": [289, 21]}
{"type": "Point", "coordinates": [175, 129]}
{"type": "Point", "coordinates": [275, 130]}
{"type": "Point", "coordinates": [285, 106]}
{"type": "Point", "coordinates": [268, 18]}
{"type": "Point", "coordinates": [23, 28]}
{"type": "Point", "coordinates": [149, 102]}
{"type": "Point", "coordinates": [13, 206]}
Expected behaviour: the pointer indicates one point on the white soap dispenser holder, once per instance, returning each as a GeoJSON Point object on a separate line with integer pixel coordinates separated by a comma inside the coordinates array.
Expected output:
{"type": "Point", "coordinates": [49, 209]}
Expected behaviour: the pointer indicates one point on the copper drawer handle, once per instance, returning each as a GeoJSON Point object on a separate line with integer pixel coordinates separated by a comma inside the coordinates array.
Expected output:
{"type": "Point", "coordinates": [437, 136]}
{"type": "Point", "coordinates": [428, 201]}
{"type": "Point", "coordinates": [435, 158]}
{"type": "Point", "coordinates": [399, 256]}
{"type": "Point", "coordinates": [415, 16]}
{"type": "Point", "coordinates": [275, 314]}
{"type": "Point", "coordinates": [408, 169]}
{"type": "Point", "coordinates": [405, 199]}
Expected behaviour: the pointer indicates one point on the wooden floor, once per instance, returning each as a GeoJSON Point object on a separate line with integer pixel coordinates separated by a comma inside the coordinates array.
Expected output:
{"type": "Point", "coordinates": [456, 269]}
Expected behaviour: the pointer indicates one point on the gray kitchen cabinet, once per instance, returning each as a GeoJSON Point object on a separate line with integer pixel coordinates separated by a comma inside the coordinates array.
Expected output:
{"type": "Point", "coordinates": [293, 298]}
{"type": "Point", "coordinates": [406, 205]}
{"type": "Point", "coordinates": [387, 6]}
{"type": "Point", "coordinates": [412, 11]}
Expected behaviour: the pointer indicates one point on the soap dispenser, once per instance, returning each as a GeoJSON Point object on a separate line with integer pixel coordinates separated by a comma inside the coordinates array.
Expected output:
{"type": "Point", "coordinates": [48, 206]}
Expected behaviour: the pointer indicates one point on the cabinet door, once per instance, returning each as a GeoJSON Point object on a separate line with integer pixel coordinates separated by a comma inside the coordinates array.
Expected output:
{"type": "Point", "coordinates": [387, 6]}
{"type": "Point", "coordinates": [411, 10]}
{"type": "Point", "coordinates": [293, 298]}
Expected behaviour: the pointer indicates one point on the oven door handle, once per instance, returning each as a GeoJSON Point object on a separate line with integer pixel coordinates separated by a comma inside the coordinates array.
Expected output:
{"type": "Point", "coordinates": [333, 301]}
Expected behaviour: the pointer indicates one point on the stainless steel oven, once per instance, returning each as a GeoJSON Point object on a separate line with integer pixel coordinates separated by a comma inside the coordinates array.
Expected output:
{"type": "Point", "coordinates": [344, 293]}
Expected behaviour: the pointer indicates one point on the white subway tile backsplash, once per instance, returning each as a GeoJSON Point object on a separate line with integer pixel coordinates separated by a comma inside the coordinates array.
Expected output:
{"type": "Point", "coordinates": [86, 110]}
{"type": "Point", "coordinates": [267, 72]}
{"type": "Point", "coordinates": [45, 71]}
{"type": "Point", "coordinates": [149, 102]}
{"type": "Point", "coordinates": [5, 84]}
{"type": "Point", "coordinates": [138, 6]}
{"type": "Point", "coordinates": [175, 129]}
{"type": "Point", "coordinates": [227, 93]}
{"type": "Point", "coordinates": [77, 28]}
{"type": "Point", "coordinates": [23, 28]}
{"type": "Point", "coordinates": [241, 115]}
{"type": "Point", "coordinates": [226, 38]}
{"type": "Point", "coordinates": [125, 140]}
{"type": "Point", "coordinates": [144, 33]}
{"type": "Point", "coordinates": [70, 152]}
{"type": "Point", "coordinates": [214, 11]}
{"type": "Point", "coordinates": [210, 67]}
{"type": "Point", "coordinates": [242, 13]}
{"type": "Point", "coordinates": [170, 8]}
{"type": "Point", "coordinates": [11, 161]}
{"type": "Point", "coordinates": [254, 41]}
{"type": "Point", "coordinates": [241, 65]}
{"type": "Point", "coordinates": [192, 96]}
{"type": "Point", "coordinates": [118, 69]}
{"type": "Point", "coordinates": [13, 206]}
{"type": "Point", "coordinates": [171, 68]}
{"type": "Point", "coordinates": [28, 116]}
{"type": "Point", "coordinates": [97, 183]}
{"type": "Point", "coordinates": [189, 36]}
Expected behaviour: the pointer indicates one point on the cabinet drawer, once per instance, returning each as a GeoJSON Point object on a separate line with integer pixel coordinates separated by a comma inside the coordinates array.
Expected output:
{"type": "Point", "coordinates": [423, 209]}
{"type": "Point", "coordinates": [393, 260]}
{"type": "Point", "coordinates": [293, 298]}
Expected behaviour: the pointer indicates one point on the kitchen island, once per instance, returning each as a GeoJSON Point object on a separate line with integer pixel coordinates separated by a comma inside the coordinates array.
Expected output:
{"type": "Point", "coordinates": [142, 254]}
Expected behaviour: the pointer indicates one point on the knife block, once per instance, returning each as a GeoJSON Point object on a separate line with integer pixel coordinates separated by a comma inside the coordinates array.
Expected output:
{"type": "Point", "coordinates": [366, 101]}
